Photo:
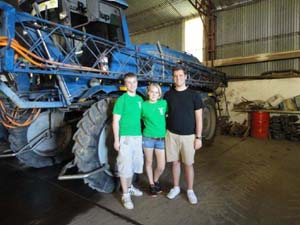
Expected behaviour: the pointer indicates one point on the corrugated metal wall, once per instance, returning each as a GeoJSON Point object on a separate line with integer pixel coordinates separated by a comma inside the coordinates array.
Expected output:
{"type": "Point", "coordinates": [171, 36]}
{"type": "Point", "coordinates": [261, 27]}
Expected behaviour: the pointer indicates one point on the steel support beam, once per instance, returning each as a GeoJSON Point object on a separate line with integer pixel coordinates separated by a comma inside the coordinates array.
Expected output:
{"type": "Point", "coordinates": [206, 11]}
{"type": "Point", "coordinates": [264, 57]}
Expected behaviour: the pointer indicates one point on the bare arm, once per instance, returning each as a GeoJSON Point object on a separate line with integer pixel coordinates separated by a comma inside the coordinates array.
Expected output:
{"type": "Point", "coordinates": [198, 117]}
{"type": "Point", "coordinates": [116, 129]}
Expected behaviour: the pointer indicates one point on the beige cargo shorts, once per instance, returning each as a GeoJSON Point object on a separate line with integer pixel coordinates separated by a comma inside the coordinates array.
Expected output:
{"type": "Point", "coordinates": [180, 146]}
{"type": "Point", "coordinates": [130, 158]}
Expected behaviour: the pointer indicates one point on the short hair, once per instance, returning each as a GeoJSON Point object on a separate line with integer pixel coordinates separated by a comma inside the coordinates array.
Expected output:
{"type": "Point", "coordinates": [129, 75]}
{"type": "Point", "coordinates": [176, 68]}
{"type": "Point", "coordinates": [154, 85]}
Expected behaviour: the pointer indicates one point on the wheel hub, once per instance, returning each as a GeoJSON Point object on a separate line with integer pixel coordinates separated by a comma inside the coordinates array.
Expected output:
{"type": "Point", "coordinates": [106, 152]}
{"type": "Point", "coordinates": [58, 137]}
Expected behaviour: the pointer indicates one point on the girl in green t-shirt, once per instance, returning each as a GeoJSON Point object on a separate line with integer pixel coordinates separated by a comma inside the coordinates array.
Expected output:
{"type": "Point", "coordinates": [154, 117]}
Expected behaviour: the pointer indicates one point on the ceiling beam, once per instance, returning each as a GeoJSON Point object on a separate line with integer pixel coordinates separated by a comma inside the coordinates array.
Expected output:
{"type": "Point", "coordinates": [162, 25]}
{"type": "Point", "coordinates": [235, 5]}
{"type": "Point", "coordinates": [154, 8]}
{"type": "Point", "coordinates": [174, 8]}
{"type": "Point", "coordinates": [265, 57]}
{"type": "Point", "coordinates": [204, 7]}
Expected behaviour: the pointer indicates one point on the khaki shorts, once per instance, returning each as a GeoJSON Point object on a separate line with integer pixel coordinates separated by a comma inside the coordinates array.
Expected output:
{"type": "Point", "coordinates": [180, 145]}
{"type": "Point", "coordinates": [130, 159]}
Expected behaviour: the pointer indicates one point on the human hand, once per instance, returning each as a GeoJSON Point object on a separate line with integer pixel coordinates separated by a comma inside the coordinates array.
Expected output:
{"type": "Point", "coordinates": [197, 143]}
{"type": "Point", "coordinates": [117, 145]}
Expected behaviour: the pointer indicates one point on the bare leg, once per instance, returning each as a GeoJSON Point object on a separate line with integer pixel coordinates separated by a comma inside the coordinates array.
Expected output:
{"type": "Point", "coordinates": [124, 184]}
{"type": "Point", "coordinates": [189, 176]}
{"type": "Point", "coordinates": [176, 173]}
{"type": "Point", "coordinates": [161, 162]}
{"type": "Point", "coordinates": [129, 181]}
{"type": "Point", "coordinates": [148, 164]}
{"type": "Point", "coordinates": [176, 177]}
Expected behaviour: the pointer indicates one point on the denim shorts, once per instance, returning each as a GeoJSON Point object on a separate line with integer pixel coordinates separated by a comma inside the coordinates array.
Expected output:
{"type": "Point", "coordinates": [154, 143]}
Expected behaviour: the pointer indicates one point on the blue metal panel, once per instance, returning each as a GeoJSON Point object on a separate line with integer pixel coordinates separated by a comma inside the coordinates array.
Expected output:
{"type": "Point", "coordinates": [26, 104]}
{"type": "Point", "coordinates": [56, 51]}
{"type": "Point", "coordinates": [125, 30]}
{"type": "Point", "coordinates": [8, 19]}
{"type": "Point", "coordinates": [100, 88]}
{"type": "Point", "coordinates": [123, 3]}
{"type": "Point", "coordinates": [22, 81]}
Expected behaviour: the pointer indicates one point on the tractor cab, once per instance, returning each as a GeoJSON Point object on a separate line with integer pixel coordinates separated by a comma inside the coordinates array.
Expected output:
{"type": "Point", "coordinates": [97, 17]}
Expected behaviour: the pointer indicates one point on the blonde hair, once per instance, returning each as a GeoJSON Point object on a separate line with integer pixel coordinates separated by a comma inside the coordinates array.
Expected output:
{"type": "Point", "coordinates": [154, 85]}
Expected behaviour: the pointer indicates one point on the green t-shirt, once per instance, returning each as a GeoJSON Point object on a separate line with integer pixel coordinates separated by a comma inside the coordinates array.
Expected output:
{"type": "Point", "coordinates": [154, 116]}
{"type": "Point", "coordinates": [129, 108]}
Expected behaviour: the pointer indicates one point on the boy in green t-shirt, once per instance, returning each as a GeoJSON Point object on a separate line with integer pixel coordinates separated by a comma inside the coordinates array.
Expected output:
{"type": "Point", "coordinates": [128, 138]}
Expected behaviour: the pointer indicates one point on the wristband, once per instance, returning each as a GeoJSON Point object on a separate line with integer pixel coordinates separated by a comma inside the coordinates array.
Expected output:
{"type": "Point", "coordinates": [199, 137]}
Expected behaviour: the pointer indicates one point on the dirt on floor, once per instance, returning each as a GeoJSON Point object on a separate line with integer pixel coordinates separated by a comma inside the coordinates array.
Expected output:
{"type": "Point", "coordinates": [238, 181]}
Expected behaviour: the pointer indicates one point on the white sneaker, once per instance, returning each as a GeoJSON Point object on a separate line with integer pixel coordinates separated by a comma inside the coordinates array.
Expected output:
{"type": "Point", "coordinates": [173, 193]}
{"type": "Point", "coordinates": [192, 197]}
{"type": "Point", "coordinates": [134, 191]}
{"type": "Point", "coordinates": [126, 200]}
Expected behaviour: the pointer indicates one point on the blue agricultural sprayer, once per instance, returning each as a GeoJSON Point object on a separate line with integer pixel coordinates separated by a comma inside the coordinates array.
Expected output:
{"type": "Point", "coordinates": [61, 68]}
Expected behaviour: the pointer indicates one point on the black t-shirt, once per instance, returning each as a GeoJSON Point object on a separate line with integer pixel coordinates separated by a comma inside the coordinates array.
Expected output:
{"type": "Point", "coordinates": [181, 111]}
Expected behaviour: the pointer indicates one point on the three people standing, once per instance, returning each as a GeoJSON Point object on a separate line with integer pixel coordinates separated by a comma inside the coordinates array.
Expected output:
{"type": "Point", "coordinates": [183, 136]}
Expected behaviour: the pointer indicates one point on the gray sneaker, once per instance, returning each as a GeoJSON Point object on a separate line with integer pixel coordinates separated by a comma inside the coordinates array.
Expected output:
{"type": "Point", "coordinates": [126, 201]}
{"type": "Point", "coordinates": [173, 193]}
{"type": "Point", "coordinates": [134, 191]}
{"type": "Point", "coordinates": [192, 197]}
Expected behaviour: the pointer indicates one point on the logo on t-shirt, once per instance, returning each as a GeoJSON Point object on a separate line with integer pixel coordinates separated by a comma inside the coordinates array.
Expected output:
{"type": "Point", "coordinates": [140, 104]}
{"type": "Point", "coordinates": [161, 110]}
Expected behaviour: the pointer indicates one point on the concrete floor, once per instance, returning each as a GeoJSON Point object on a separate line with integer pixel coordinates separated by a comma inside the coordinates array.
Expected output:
{"type": "Point", "coordinates": [251, 181]}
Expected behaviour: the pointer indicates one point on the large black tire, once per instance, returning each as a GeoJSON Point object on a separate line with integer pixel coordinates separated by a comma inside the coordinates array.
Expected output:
{"type": "Point", "coordinates": [41, 155]}
{"type": "Point", "coordinates": [93, 146]}
{"type": "Point", "coordinates": [209, 121]}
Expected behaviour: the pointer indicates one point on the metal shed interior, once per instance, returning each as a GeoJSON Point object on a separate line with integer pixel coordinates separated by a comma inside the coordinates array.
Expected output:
{"type": "Point", "coordinates": [243, 29]}
{"type": "Point", "coordinates": [146, 15]}
{"type": "Point", "coordinates": [238, 180]}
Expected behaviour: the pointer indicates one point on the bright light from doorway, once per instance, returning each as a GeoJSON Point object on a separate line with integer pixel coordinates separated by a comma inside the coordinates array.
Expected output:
{"type": "Point", "coordinates": [194, 37]}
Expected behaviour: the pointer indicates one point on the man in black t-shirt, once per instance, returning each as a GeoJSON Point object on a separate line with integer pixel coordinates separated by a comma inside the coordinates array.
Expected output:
{"type": "Point", "coordinates": [184, 128]}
